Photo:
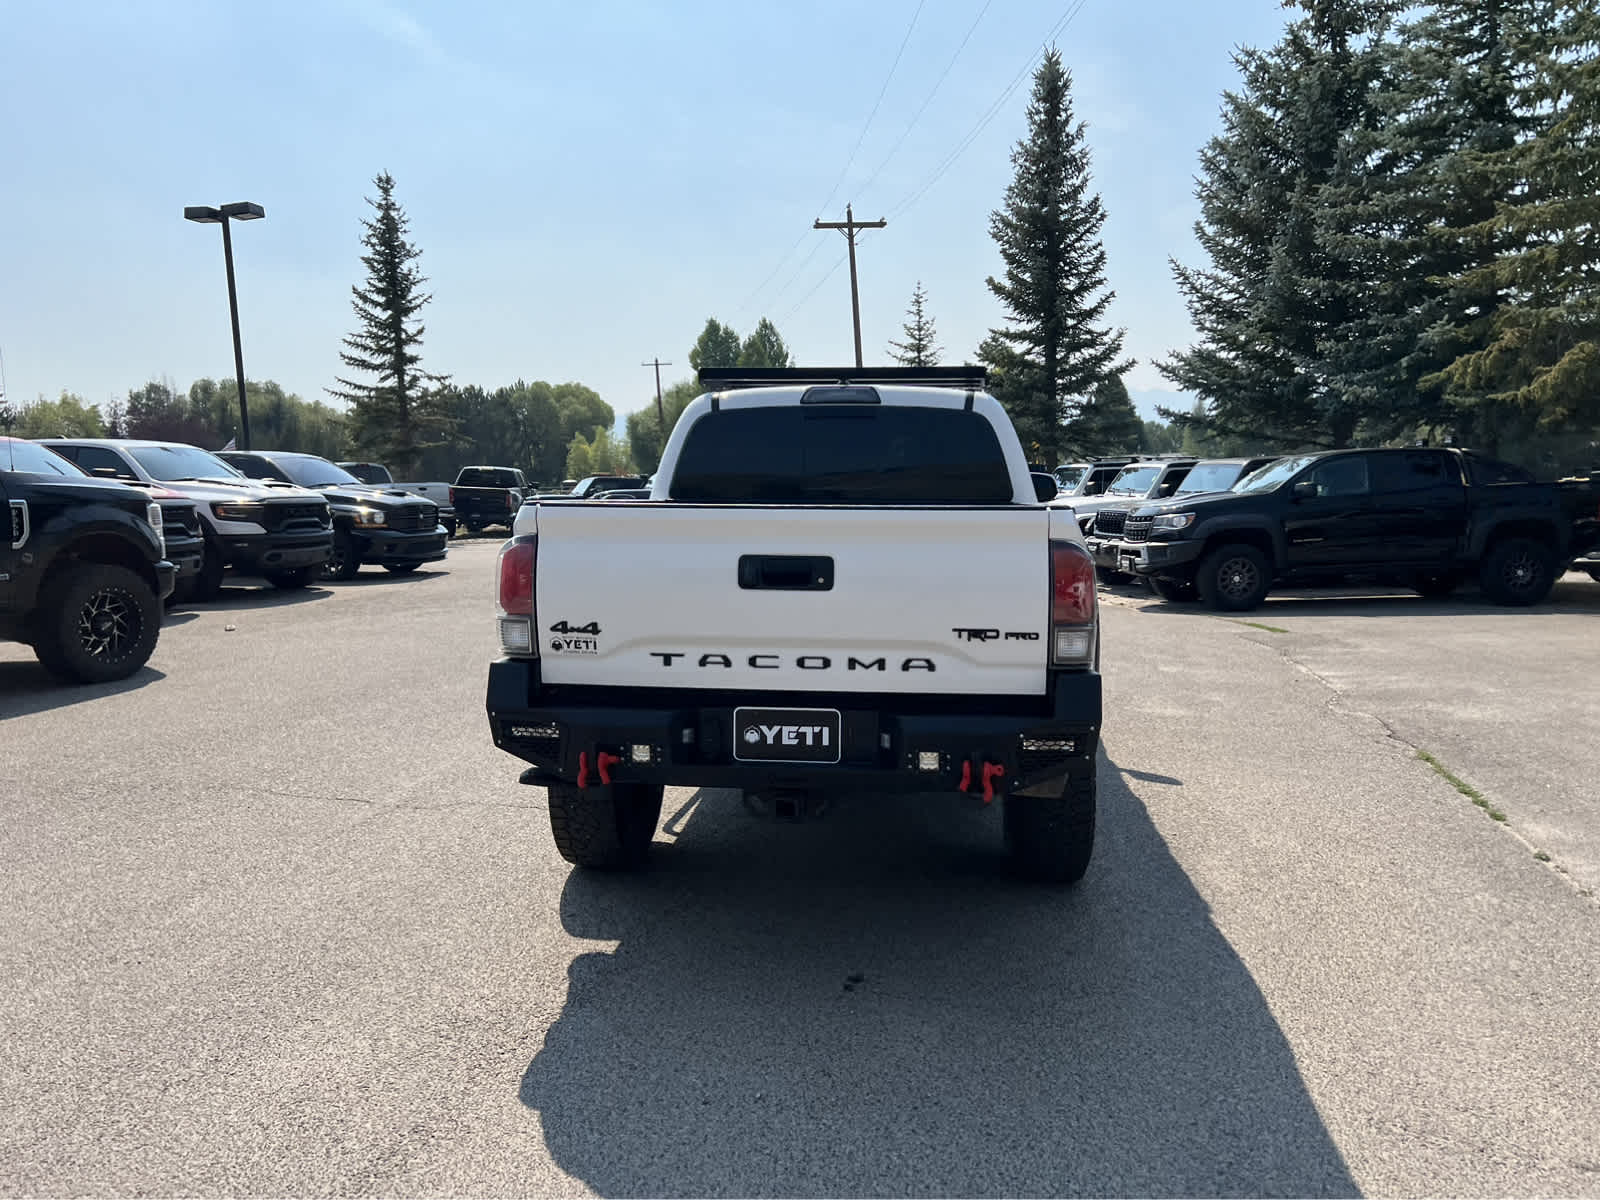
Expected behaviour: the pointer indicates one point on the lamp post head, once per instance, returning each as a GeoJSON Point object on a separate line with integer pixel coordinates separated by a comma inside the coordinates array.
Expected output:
{"type": "Point", "coordinates": [244, 211]}
{"type": "Point", "coordinates": [201, 214]}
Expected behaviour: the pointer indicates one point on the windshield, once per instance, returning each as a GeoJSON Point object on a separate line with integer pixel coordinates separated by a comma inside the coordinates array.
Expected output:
{"type": "Point", "coordinates": [173, 464]}
{"type": "Point", "coordinates": [1209, 477]}
{"type": "Point", "coordinates": [1068, 478]}
{"type": "Point", "coordinates": [1274, 474]}
{"type": "Point", "coordinates": [1134, 481]}
{"type": "Point", "coordinates": [33, 459]}
{"type": "Point", "coordinates": [311, 472]}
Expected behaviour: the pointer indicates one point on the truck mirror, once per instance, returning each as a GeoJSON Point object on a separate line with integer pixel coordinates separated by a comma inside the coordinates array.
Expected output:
{"type": "Point", "coordinates": [1091, 489]}
{"type": "Point", "coordinates": [1305, 489]}
{"type": "Point", "coordinates": [1044, 487]}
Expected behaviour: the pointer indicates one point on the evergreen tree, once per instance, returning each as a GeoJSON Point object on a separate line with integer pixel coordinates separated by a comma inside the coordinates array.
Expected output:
{"type": "Point", "coordinates": [400, 410]}
{"type": "Point", "coordinates": [1053, 351]}
{"type": "Point", "coordinates": [1106, 423]}
{"type": "Point", "coordinates": [717, 346]}
{"type": "Point", "coordinates": [1537, 347]}
{"type": "Point", "coordinates": [919, 349]}
{"type": "Point", "coordinates": [764, 348]}
{"type": "Point", "coordinates": [1281, 299]}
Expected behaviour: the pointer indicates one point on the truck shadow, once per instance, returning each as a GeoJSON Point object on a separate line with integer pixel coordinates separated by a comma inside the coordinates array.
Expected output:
{"type": "Point", "coordinates": [1572, 594]}
{"type": "Point", "coordinates": [26, 688]}
{"type": "Point", "coordinates": [870, 1006]}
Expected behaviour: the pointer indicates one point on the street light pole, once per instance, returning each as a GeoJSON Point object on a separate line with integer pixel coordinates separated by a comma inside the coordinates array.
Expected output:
{"type": "Point", "coordinates": [220, 216]}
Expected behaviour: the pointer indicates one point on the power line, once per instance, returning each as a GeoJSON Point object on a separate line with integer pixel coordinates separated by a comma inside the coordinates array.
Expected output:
{"type": "Point", "coordinates": [861, 137]}
{"type": "Point", "coordinates": [812, 290]}
{"type": "Point", "coordinates": [938, 83]}
{"type": "Point", "coordinates": [745, 306]}
{"type": "Point", "coordinates": [989, 115]}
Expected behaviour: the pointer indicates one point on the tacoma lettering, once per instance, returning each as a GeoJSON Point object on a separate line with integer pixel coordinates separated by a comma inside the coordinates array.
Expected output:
{"type": "Point", "coordinates": [804, 662]}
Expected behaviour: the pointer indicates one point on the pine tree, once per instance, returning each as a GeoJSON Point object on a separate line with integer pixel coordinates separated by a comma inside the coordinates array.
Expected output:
{"type": "Point", "coordinates": [1106, 423]}
{"type": "Point", "coordinates": [1053, 351]}
{"type": "Point", "coordinates": [1538, 348]}
{"type": "Point", "coordinates": [401, 410]}
{"type": "Point", "coordinates": [919, 349]}
{"type": "Point", "coordinates": [1282, 299]}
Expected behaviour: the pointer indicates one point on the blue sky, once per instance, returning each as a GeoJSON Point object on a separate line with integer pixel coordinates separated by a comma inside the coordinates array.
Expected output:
{"type": "Point", "coordinates": [588, 182]}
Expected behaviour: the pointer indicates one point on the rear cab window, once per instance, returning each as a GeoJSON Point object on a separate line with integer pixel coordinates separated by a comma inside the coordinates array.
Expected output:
{"type": "Point", "coordinates": [487, 478]}
{"type": "Point", "coordinates": [842, 454]}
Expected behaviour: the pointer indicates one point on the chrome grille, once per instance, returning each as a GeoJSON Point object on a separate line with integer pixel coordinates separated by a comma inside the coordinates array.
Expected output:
{"type": "Point", "coordinates": [1137, 529]}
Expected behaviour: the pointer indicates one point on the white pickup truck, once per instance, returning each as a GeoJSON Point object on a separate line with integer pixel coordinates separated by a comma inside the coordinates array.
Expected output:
{"type": "Point", "coordinates": [853, 586]}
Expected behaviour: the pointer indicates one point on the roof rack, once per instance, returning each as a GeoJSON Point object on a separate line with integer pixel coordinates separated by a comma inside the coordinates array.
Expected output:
{"type": "Point", "coordinates": [724, 379]}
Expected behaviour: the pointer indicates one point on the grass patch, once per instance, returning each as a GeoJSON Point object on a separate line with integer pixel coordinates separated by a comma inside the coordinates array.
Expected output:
{"type": "Point", "coordinates": [1461, 785]}
{"type": "Point", "coordinates": [1541, 856]}
{"type": "Point", "coordinates": [1259, 625]}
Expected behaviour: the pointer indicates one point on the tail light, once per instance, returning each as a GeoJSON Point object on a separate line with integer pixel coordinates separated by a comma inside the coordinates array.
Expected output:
{"type": "Point", "coordinates": [452, 497]}
{"type": "Point", "coordinates": [516, 575]}
{"type": "Point", "coordinates": [1074, 620]}
{"type": "Point", "coordinates": [510, 500]}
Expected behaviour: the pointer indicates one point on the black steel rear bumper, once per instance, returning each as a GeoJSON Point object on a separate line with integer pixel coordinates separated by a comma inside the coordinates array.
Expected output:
{"type": "Point", "coordinates": [685, 737]}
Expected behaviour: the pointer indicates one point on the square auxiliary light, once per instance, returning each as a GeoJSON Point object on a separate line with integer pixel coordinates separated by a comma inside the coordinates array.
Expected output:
{"type": "Point", "coordinates": [927, 760]}
{"type": "Point", "coordinates": [641, 754]}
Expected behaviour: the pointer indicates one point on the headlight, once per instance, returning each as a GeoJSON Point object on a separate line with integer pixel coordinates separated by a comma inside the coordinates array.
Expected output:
{"type": "Point", "coordinates": [370, 516]}
{"type": "Point", "coordinates": [233, 510]}
{"type": "Point", "coordinates": [1172, 522]}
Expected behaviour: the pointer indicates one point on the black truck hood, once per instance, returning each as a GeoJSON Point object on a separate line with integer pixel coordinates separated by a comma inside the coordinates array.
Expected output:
{"type": "Point", "coordinates": [104, 491]}
{"type": "Point", "coordinates": [1207, 504]}
{"type": "Point", "coordinates": [373, 497]}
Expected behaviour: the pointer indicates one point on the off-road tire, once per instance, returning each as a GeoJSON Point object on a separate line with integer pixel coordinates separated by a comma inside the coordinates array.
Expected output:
{"type": "Point", "coordinates": [1109, 576]}
{"type": "Point", "coordinates": [208, 584]}
{"type": "Point", "coordinates": [1595, 575]}
{"type": "Point", "coordinates": [345, 560]}
{"type": "Point", "coordinates": [1233, 578]}
{"type": "Point", "coordinates": [1172, 591]}
{"type": "Point", "coordinates": [605, 828]}
{"type": "Point", "coordinates": [97, 623]}
{"type": "Point", "coordinates": [291, 580]}
{"type": "Point", "coordinates": [1517, 572]}
{"type": "Point", "coordinates": [400, 568]}
{"type": "Point", "coordinates": [1051, 838]}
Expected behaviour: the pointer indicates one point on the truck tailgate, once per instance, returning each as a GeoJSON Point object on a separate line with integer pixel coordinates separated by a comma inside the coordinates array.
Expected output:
{"type": "Point", "coordinates": [918, 600]}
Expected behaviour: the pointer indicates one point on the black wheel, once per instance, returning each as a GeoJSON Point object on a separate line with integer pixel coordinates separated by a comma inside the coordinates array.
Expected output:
{"type": "Point", "coordinates": [1437, 586]}
{"type": "Point", "coordinates": [400, 568]}
{"type": "Point", "coordinates": [1107, 575]}
{"type": "Point", "coordinates": [473, 530]}
{"type": "Point", "coordinates": [1051, 838]}
{"type": "Point", "coordinates": [609, 828]}
{"type": "Point", "coordinates": [1172, 590]}
{"type": "Point", "coordinates": [345, 560]}
{"type": "Point", "coordinates": [1233, 578]}
{"type": "Point", "coordinates": [450, 528]}
{"type": "Point", "coordinates": [1595, 575]}
{"type": "Point", "coordinates": [208, 584]}
{"type": "Point", "coordinates": [100, 623]}
{"type": "Point", "coordinates": [291, 580]}
{"type": "Point", "coordinates": [1517, 572]}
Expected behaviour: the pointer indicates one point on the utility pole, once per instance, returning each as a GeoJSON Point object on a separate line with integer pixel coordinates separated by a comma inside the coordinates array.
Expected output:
{"type": "Point", "coordinates": [661, 413]}
{"type": "Point", "coordinates": [848, 227]}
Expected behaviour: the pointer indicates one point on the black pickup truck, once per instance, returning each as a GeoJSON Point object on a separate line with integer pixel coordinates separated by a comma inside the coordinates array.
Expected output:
{"type": "Point", "coordinates": [1428, 519]}
{"type": "Point", "coordinates": [83, 567]}
{"type": "Point", "coordinates": [485, 496]}
{"type": "Point", "coordinates": [386, 526]}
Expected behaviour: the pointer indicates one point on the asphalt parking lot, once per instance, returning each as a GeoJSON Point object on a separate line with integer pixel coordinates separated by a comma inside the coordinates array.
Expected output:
{"type": "Point", "coordinates": [282, 921]}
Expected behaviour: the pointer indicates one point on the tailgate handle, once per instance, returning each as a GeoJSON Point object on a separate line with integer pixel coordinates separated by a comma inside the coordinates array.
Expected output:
{"type": "Point", "coordinates": [786, 572]}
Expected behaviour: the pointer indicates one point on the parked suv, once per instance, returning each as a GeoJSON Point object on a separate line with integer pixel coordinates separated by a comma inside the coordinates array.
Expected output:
{"type": "Point", "coordinates": [1087, 478]}
{"type": "Point", "coordinates": [83, 569]}
{"type": "Point", "coordinates": [282, 535]}
{"type": "Point", "coordinates": [386, 526]}
{"type": "Point", "coordinates": [1146, 479]}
